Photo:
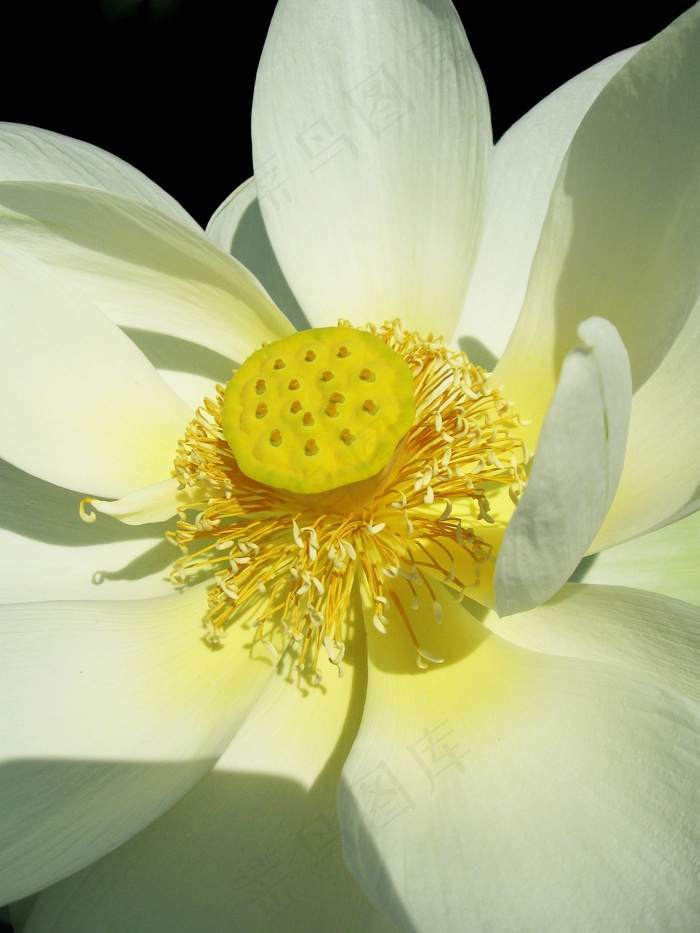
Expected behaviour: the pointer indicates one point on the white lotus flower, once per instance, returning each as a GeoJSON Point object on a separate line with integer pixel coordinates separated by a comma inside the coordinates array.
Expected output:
{"type": "Point", "coordinates": [545, 776]}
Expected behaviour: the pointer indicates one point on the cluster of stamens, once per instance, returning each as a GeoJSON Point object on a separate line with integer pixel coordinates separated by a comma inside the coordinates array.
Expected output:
{"type": "Point", "coordinates": [294, 558]}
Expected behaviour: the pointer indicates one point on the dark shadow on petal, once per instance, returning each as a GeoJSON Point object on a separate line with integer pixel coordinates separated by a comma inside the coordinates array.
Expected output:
{"type": "Point", "coordinates": [251, 246]}
{"type": "Point", "coordinates": [240, 852]}
{"type": "Point", "coordinates": [244, 852]}
{"type": "Point", "coordinates": [477, 353]}
{"type": "Point", "coordinates": [579, 575]}
{"type": "Point", "coordinates": [98, 798]}
{"type": "Point", "coordinates": [182, 356]}
{"type": "Point", "coordinates": [454, 638]}
{"type": "Point", "coordinates": [358, 839]}
{"type": "Point", "coordinates": [159, 557]}
{"type": "Point", "coordinates": [39, 510]}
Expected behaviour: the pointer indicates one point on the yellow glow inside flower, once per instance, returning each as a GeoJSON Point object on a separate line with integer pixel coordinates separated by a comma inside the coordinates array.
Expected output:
{"type": "Point", "coordinates": [424, 501]}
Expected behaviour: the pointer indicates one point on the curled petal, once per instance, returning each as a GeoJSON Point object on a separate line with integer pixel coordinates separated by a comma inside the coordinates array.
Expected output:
{"type": "Point", "coordinates": [574, 475]}
{"type": "Point", "coordinates": [155, 503]}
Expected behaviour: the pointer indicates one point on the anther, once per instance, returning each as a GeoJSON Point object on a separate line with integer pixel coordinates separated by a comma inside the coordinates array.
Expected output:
{"type": "Point", "coordinates": [296, 406]}
{"type": "Point", "coordinates": [331, 410]}
{"type": "Point", "coordinates": [369, 406]}
{"type": "Point", "coordinates": [261, 410]}
{"type": "Point", "coordinates": [446, 512]}
{"type": "Point", "coordinates": [311, 447]}
{"type": "Point", "coordinates": [308, 418]}
{"type": "Point", "coordinates": [275, 438]}
{"type": "Point", "coordinates": [424, 655]}
{"type": "Point", "coordinates": [266, 643]}
{"type": "Point", "coordinates": [310, 356]}
{"type": "Point", "coordinates": [260, 385]}
{"type": "Point", "coordinates": [343, 352]}
{"type": "Point", "coordinates": [346, 436]}
{"type": "Point", "coordinates": [337, 397]}
{"type": "Point", "coordinates": [88, 517]}
{"type": "Point", "coordinates": [279, 364]}
{"type": "Point", "coordinates": [367, 375]}
{"type": "Point", "coordinates": [327, 375]}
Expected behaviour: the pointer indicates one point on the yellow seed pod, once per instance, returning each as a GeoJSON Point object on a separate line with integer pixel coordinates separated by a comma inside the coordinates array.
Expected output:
{"type": "Point", "coordinates": [313, 362]}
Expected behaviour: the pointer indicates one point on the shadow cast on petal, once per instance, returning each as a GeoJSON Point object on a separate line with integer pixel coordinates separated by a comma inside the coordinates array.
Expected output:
{"type": "Point", "coordinates": [37, 509]}
{"type": "Point", "coordinates": [164, 351]}
{"type": "Point", "coordinates": [251, 246]}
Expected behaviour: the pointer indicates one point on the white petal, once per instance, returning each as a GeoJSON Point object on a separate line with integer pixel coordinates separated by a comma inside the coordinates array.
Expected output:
{"type": "Point", "coordinates": [128, 568]}
{"type": "Point", "coordinates": [191, 370]}
{"type": "Point", "coordinates": [143, 269]}
{"type": "Point", "coordinates": [155, 503]}
{"type": "Point", "coordinates": [48, 553]}
{"type": "Point", "coordinates": [525, 166]}
{"type": "Point", "coordinates": [371, 147]}
{"type": "Point", "coordinates": [622, 233]}
{"type": "Point", "coordinates": [29, 153]}
{"type": "Point", "coordinates": [238, 228]}
{"type": "Point", "coordinates": [645, 633]}
{"type": "Point", "coordinates": [114, 709]}
{"type": "Point", "coordinates": [191, 387]}
{"type": "Point", "coordinates": [82, 407]}
{"type": "Point", "coordinates": [663, 561]}
{"type": "Point", "coordinates": [510, 790]}
{"type": "Point", "coordinates": [660, 476]}
{"type": "Point", "coordinates": [574, 475]}
{"type": "Point", "coordinates": [257, 839]}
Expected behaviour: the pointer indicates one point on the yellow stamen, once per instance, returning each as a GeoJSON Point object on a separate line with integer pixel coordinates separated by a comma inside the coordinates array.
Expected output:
{"type": "Point", "coordinates": [293, 553]}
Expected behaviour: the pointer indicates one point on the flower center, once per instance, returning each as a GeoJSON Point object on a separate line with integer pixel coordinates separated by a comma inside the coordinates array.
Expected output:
{"type": "Point", "coordinates": [338, 457]}
{"type": "Point", "coordinates": [318, 410]}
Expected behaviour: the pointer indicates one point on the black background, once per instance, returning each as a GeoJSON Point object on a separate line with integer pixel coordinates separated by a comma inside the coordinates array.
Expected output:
{"type": "Point", "coordinates": [167, 84]}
